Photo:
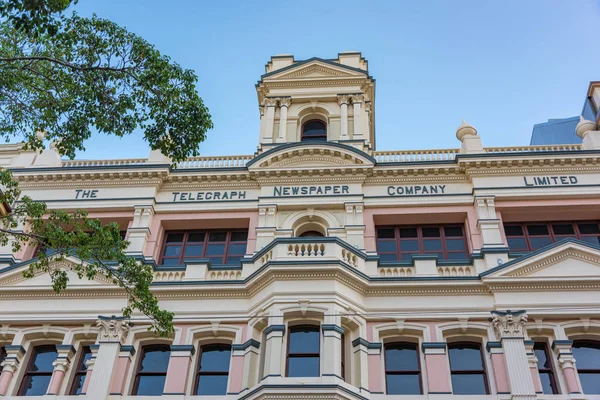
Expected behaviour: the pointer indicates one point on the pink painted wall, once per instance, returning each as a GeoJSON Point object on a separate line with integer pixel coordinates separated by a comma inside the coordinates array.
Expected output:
{"type": "Point", "coordinates": [177, 375]}
{"type": "Point", "coordinates": [237, 373]}
{"type": "Point", "coordinates": [549, 210]}
{"type": "Point", "coordinates": [500, 374]}
{"type": "Point", "coordinates": [375, 373]}
{"type": "Point", "coordinates": [88, 376]}
{"type": "Point", "coordinates": [117, 384]}
{"type": "Point", "coordinates": [438, 373]}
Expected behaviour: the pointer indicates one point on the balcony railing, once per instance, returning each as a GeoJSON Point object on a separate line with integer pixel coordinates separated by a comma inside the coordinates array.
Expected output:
{"type": "Point", "coordinates": [104, 163]}
{"type": "Point", "coordinates": [215, 162]}
{"type": "Point", "coordinates": [534, 149]}
{"type": "Point", "coordinates": [415, 155]}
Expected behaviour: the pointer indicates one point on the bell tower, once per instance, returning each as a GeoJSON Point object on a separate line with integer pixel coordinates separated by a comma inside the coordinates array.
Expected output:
{"type": "Point", "coordinates": [317, 100]}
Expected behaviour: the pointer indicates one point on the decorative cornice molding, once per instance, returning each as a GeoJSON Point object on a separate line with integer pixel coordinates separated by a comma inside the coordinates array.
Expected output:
{"type": "Point", "coordinates": [553, 260]}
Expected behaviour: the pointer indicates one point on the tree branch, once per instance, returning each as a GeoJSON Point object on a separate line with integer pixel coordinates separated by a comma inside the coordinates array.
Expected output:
{"type": "Point", "coordinates": [74, 67]}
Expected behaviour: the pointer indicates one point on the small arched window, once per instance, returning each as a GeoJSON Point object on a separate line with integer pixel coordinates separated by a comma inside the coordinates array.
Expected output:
{"type": "Point", "coordinates": [303, 356]}
{"type": "Point", "coordinates": [314, 130]}
{"type": "Point", "coordinates": [152, 370]}
{"type": "Point", "coordinates": [39, 371]}
{"type": "Point", "coordinates": [587, 354]}
{"type": "Point", "coordinates": [467, 369]}
{"type": "Point", "coordinates": [213, 371]}
{"type": "Point", "coordinates": [402, 369]}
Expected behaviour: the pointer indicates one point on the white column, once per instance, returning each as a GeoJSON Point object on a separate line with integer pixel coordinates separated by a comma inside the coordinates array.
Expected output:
{"type": "Point", "coordinates": [270, 104]}
{"type": "Point", "coordinates": [284, 103]}
{"type": "Point", "coordinates": [357, 101]}
{"type": "Point", "coordinates": [510, 328]}
{"type": "Point", "coordinates": [343, 102]}
{"type": "Point", "coordinates": [250, 377]}
{"type": "Point", "coordinates": [273, 350]}
{"type": "Point", "coordinates": [332, 350]}
{"type": "Point", "coordinates": [139, 231]}
{"type": "Point", "coordinates": [360, 353]}
{"type": "Point", "coordinates": [112, 331]}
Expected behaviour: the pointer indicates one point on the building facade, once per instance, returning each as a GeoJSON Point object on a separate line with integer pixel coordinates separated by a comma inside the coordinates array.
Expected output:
{"type": "Point", "coordinates": [319, 267]}
{"type": "Point", "coordinates": [562, 130]}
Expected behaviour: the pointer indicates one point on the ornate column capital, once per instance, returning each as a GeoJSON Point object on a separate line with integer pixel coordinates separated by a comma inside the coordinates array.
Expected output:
{"type": "Point", "coordinates": [61, 364]}
{"type": "Point", "coordinates": [112, 329]}
{"type": "Point", "coordinates": [358, 98]}
{"type": "Point", "coordinates": [285, 101]}
{"type": "Point", "coordinates": [509, 324]}
{"type": "Point", "coordinates": [270, 101]}
{"type": "Point", "coordinates": [343, 99]}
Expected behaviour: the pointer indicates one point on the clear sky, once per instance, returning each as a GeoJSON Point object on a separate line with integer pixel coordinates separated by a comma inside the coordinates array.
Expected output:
{"type": "Point", "coordinates": [502, 65]}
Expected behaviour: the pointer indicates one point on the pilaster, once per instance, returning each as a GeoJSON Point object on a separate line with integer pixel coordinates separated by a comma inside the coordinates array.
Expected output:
{"type": "Point", "coordinates": [438, 371]}
{"type": "Point", "coordinates": [274, 346]}
{"type": "Point", "coordinates": [266, 229]}
{"type": "Point", "coordinates": [354, 226]}
{"type": "Point", "coordinates": [250, 353]}
{"type": "Point", "coordinates": [61, 366]}
{"type": "Point", "coordinates": [10, 365]}
{"type": "Point", "coordinates": [178, 369]}
{"type": "Point", "coordinates": [510, 328]}
{"type": "Point", "coordinates": [343, 101]}
{"type": "Point", "coordinates": [360, 354]}
{"type": "Point", "coordinates": [139, 231]}
{"type": "Point", "coordinates": [284, 103]}
{"type": "Point", "coordinates": [533, 366]}
{"type": "Point", "coordinates": [270, 104]}
{"type": "Point", "coordinates": [112, 331]}
{"type": "Point", "coordinates": [564, 354]}
{"type": "Point", "coordinates": [117, 385]}
{"type": "Point", "coordinates": [357, 102]}
{"type": "Point", "coordinates": [498, 362]}
{"type": "Point", "coordinates": [332, 350]}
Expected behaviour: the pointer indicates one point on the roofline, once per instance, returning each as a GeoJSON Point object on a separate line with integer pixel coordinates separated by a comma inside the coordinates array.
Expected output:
{"type": "Point", "coordinates": [301, 62]}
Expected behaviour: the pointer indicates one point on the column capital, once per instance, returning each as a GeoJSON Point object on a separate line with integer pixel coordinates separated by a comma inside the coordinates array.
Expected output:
{"type": "Point", "coordinates": [343, 99]}
{"type": "Point", "coordinates": [358, 98]}
{"type": "Point", "coordinates": [285, 101]}
{"type": "Point", "coordinates": [61, 364]}
{"type": "Point", "coordinates": [270, 101]}
{"type": "Point", "coordinates": [509, 324]}
{"type": "Point", "coordinates": [112, 329]}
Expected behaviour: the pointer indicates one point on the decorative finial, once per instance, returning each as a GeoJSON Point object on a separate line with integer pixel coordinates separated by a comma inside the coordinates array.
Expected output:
{"type": "Point", "coordinates": [584, 126]}
{"type": "Point", "coordinates": [465, 129]}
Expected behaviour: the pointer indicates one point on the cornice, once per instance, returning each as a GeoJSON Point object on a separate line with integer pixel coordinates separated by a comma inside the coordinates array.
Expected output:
{"type": "Point", "coordinates": [460, 178]}
{"type": "Point", "coordinates": [420, 170]}
{"type": "Point", "coordinates": [535, 160]}
{"type": "Point", "coordinates": [103, 183]}
{"type": "Point", "coordinates": [88, 176]}
{"type": "Point", "coordinates": [209, 185]}
{"type": "Point", "coordinates": [524, 170]}
{"type": "Point", "coordinates": [542, 287]}
{"type": "Point", "coordinates": [310, 179]}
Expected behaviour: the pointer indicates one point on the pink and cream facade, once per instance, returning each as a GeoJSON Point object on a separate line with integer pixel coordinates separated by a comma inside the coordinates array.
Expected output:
{"type": "Point", "coordinates": [321, 268]}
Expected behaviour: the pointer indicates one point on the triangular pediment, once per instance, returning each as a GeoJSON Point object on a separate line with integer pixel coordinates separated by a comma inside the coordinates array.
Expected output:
{"type": "Point", "coordinates": [13, 276]}
{"type": "Point", "coordinates": [311, 156]}
{"type": "Point", "coordinates": [315, 69]}
{"type": "Point", "coordinates": [565, 260]}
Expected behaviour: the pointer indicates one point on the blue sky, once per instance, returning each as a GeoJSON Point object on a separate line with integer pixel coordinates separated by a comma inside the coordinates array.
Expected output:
{"type": "Point", "coordinates": [502, 65]}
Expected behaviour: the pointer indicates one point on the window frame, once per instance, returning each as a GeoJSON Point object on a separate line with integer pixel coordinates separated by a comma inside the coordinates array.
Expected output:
{"type": "Point", "coordinates": [80, 369]}
{"type": "Point", "coordinates": [421, 240]}
{"type": "Point", "coordinates": [3, 356]}
{"type": "Point", "coordinates": [145, 349]}
{"type": "Point", "coordinates": [205, 242]}
{"type": "Point", "coordinates": [550, 371]}
{"type": "Point", "coordinates": [469, 372]}
{"type": "Point", "coordinates": [315, 138]}
{"type": "Point", "coordinates": [200, 373]}
{"type": "Point", "coordinates": [553, 237]}
{"type": "Point", "coordinates": [593, 344]}
{"type": "Point", "coordinates": [403, 372]}
{"type": "Point", "coordinates": [315, 328]}
{"type": "Point", "coordinates": [30, 363]}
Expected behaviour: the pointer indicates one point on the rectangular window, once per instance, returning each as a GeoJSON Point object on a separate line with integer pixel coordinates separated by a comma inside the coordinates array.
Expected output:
{"type": "Point", "coordinates": [532, 236]}
{"type": "Point", "coordinates": [467, 369]}
{"type": "Point", "coordinates": [81, 371]}
{"type": "Point", "coordinates": [220, 247]}
{"type": "Point", "coordinates": [39, 371]}
{"type": "Point", "coordinates": [213, 370]}
{"type": "Point", "coordinates": [545, 368]}
{"type": "Point", "coordinates": [400, 243]}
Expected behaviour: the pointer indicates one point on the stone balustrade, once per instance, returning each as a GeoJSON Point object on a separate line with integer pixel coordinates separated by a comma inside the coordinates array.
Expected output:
{"type": "Point", "coordinates": [415, 155]}
{"type": "Point", "coordinates": [104, 163]}
{"type": "Point", "coordinates": [534, 149]}
{"type": "Point", "coordinates": [215, 162]}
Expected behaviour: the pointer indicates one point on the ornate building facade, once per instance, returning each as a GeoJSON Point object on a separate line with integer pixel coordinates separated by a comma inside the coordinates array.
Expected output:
{"type": "Point", "coordinates": [321, 268]}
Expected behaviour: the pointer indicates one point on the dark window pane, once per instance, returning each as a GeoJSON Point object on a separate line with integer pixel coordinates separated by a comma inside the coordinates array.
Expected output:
{"type": "Point", "coordinates": [386, 245]}
{"type": "Point", "coordinates": [155, 360]}
{"type": "Point", "coordinates": [563, 229]}
{"type": "Point", "coordinates": [540, 354]}
{"type": "Point", "coordinates": [408, 232]}
{"type": "Point", "coordinates": [194, 250]}
{"type": "Point", "coordinates": [217, 237]}
{"type": "Point", "coordinates": [215, 359]}
{"type": "Point", "coordinates": [239, 248]}
{"type": "Point", "coordinates": [196, 237]}
{"type": "Point", "coordinates": [314, 130]}
{"type": "Point", "coordinates": [233, 260]}
{"type": "Point", "coordinates": [388, 257]}
{"type": "Point", "coordinates": [407, 256]}
{"type": "Point", "coordinates": [43, 359]}
{"type": "Point", "coordinates": [591, 239]}
{"type": "Point", "coordinates": [587, 355]}
{"type": "Point", "coordinates": [215, 249]}
{"type": "Point", "coordinates": [385, 233]}
{"type": "Point", "coordinates": [304, 340]}
{"type": "Point", "coordinates": [219, 260]}
{"type": "Point", "coordinates": [461, 255]}
{"type": "Point", "coordinates": [240, 236]}
{"type": "Point", "coordinates": [539, 242]}
{"type": "Point", "coordinates": [401, 358]}
{"type": "Point", "coordinates": [468, 384]}
{"type": "Point", "coordinates": [517, 244]}
{"type": "Point", "coordinates": [589, 229]}
{"type": "Point", "coordinates": [171, 251]}
{"type": "Point", "coordinates": [465, 357]}
{"type": "Point", "coordinates": [87, 354]}
{"type": "Point", "coordinates": [455, 244]}
{"type": "Point", "coordinates": [36, 385]}
{"type": "Point", "coordinates": [590, 382]}
{"type": "Point", "coordinates": [547, 383]}
{"type": "Point", "coordinates": [151, 385]}
{"type": "Point", "coordinates": [453, 231]}
{"type": "Point", "coordinates": [303, 366]}
{"type": "Point", "coordinates": [431, 232]}
{"type": "Point", "coordinates": [212, 385]}
{"type": "Point", "coordinates": [403, 384]}
{"type": "Point", "coordinates": [170, 261]}
{"type": "Point", "coordinates": [78, 384]}
{"type": "Point", "coordinates": [2, 357]}
{"type": "Point", "coordinates": [537, 230]}
{"type": "Point", "coordinates": [409, 245]}
{"type": "Point", "coordinates": [175, 238]}
{"type": "Point", "coordinates": [513, 230]}
{"type": "Point", "coordinates": [429, 245]}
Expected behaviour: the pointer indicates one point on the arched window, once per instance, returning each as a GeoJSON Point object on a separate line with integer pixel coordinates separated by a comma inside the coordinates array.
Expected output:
{"type": "Point", "coordinates": [545, 368]}
{"type": "Point", "coordinates": [587, 354]}
{"type": "Point", "coordinates": [402, 369]}
{"type": "Point", "coordinates": [303, 351]}
{"type": "Point", "coordinates": [467, 369]}
{"type": "Point", "coordinates": [314, 130]}
{"type": "Point", "coordinates": [81, 371]}
{"type": "Point", "coordinates": [311, 234]}
{"type": "Point", "coordinates": [152, 370]}
{"type": "Point", "coordinates": [39, 371]}
{"type": "Point", "coordinates": [213, 371]}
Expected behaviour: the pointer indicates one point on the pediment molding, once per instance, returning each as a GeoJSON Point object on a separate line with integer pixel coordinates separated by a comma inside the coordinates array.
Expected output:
{"type": "Point", "coordinates": [315, 69]}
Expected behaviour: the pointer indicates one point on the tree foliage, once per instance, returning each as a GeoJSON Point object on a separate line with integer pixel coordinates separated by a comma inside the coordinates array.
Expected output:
{"type": "Point", "coordinates": [68, 77]}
